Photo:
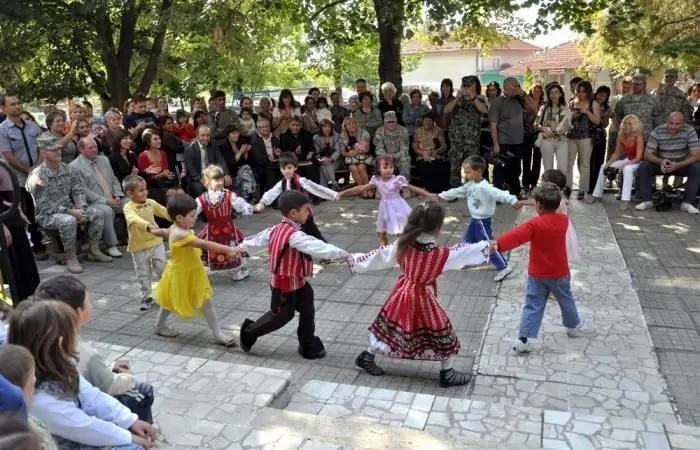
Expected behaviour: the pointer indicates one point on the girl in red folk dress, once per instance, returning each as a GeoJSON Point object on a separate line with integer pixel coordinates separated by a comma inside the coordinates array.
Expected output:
{"type": "Point", "coordinates": [217, 204]}
{"type": "Point", "coordinates": [412, 324]}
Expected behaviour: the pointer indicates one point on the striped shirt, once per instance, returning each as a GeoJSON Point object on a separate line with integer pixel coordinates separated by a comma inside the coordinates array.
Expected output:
{"type": "Point", "coordinates": [674, 147]}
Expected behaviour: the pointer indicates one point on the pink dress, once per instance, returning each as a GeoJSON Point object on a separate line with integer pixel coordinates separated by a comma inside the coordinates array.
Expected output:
{"type": "Point", "coordinates": [393, 209]}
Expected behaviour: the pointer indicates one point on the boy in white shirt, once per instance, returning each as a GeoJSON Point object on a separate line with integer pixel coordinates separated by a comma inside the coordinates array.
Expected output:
{"type": "Point", "coordinates": [481, 202]}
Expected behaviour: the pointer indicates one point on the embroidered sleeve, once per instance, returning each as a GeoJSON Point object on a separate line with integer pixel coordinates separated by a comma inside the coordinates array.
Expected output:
{"type": "Point", "coordinates": [467, 255]}
{"type": "Point", "coordinates": [241, 206]}
{"type": "Point", "coordinates": [317, 190]}
{"type": "Point", "coordinates": [379, 259]}
{"type": "Point", "coordinates": [271, 195]}
{"type": "Point", "coordinates": [255, 242]}
{"type": "Point", "coordinates": [315, 247]}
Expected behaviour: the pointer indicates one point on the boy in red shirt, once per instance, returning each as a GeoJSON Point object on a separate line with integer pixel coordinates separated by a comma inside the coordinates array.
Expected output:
{"type": "Point", "coordinates": [290, 252]}
{"type": "Point", "coordinates": [548, 270]}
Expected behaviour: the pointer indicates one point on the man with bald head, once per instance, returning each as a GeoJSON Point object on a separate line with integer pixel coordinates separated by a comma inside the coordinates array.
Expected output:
{"type": "Point", "coordinates": [102, 189]}
{"type": "Point", "coordinates": [508, 132]}
{"type": "Point", "coordinates": [672, 149]}
{"type": "Point", "coordinates": [198, 155]}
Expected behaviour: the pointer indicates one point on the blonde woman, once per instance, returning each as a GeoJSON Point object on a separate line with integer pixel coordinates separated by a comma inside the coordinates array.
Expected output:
{"type": "Point", "coordinates": [629, 147]}
{"type": "Point", "coordinates": [355, 149]}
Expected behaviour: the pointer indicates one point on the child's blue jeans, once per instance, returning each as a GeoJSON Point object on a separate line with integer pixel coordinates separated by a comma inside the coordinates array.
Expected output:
{"type": "Point", "coordinates": [480, 230]}
{"type": "Point", "coordinates": [538, 290]}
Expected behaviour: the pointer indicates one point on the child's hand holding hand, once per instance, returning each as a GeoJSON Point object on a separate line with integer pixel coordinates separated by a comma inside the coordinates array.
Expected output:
{"type": "Point", "coordinates": [434, 197]}
{"type": "Point", "coordinates": [259, 207]}
{"type": "Point", "coordinates": [233, 254]}
{"type": "Point", "coordinates": [517, 205]}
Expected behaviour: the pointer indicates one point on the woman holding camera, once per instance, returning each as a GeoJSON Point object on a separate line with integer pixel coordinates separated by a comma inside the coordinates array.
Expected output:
{"type": "Point", "coordinates": [629, 151]}
{"type": "Point", "coordinates": [553, 122]}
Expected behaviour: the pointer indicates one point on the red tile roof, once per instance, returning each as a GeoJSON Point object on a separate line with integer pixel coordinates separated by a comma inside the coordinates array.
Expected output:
{"type": "Point", "coordinates": [563, 56]}
{"type": "Point", "coordinates": [415, 46]}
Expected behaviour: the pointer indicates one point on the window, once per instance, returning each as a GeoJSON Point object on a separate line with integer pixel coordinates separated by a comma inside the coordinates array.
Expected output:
{"type": "Point", "coordinates": [490, 64]}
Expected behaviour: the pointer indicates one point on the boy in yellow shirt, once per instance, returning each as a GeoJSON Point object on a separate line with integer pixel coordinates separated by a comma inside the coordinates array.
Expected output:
{"type": "Point", "coordinates": [146, 249]}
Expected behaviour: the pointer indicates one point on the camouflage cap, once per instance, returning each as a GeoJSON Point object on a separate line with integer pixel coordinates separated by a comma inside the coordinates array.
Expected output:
{"type": "Point", "coordinates": [389, 116]}
{"type": "Point", "coordinates": [671, 73]}
{"type": "Point", "coordinates": [48, 142]}
{"type": "Point", "coordinates": [639, 78]}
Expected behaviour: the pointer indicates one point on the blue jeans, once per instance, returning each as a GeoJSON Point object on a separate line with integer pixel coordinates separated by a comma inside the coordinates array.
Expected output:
{"type": "Point", "coordinates": [480, 230]}
{"type": "Point", "coordinates": [538, 290]}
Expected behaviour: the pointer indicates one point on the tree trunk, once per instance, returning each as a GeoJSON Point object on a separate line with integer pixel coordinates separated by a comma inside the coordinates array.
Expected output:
{"type": "Point", "coordinates": [337, 71]}
{"type": "Point", "coordinates": [390, 24]}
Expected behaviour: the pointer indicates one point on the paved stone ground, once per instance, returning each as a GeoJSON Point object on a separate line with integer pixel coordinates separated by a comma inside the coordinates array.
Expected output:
{"type": "Point", "coordinates": [662, 251]}
{"type": "Point", "coordinates": [345, 306]}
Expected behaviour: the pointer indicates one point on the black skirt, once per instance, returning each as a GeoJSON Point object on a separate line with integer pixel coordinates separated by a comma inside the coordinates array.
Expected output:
{"type": "Point", "coordinates": [25, 275]}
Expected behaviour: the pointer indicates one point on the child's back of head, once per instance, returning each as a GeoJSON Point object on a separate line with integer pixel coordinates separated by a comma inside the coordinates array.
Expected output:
{"type": "Point", "coordinates": [555, 176]}
{"type": "Point", "coordinates": [547, 197]}
{"type": "Point", "coordinates": [16, 435]}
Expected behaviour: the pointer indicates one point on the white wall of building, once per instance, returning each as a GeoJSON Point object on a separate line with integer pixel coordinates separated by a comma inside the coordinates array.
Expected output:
{"type": "Point", "coordinates": [436, 66]}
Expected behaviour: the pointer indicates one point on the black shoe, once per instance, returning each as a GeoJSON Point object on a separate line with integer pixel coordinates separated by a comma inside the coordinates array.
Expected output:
{"type": "Point", "coordinates": [365, 361]}
{"type": "Point", "coordinates": [312, 350]}
{"type": "Point", "coordinates": [246, 344]}
{"type": "Point", "coordinates": [581, 195]}
{"type": "Point", "coordinates": [451, 377]}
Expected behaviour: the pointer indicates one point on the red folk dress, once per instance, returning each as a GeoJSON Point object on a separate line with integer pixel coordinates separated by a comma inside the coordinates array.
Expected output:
{"type": "Point", "coordinates": [412, 324]}
{"type": "Point", "coordinates": [220, 228]}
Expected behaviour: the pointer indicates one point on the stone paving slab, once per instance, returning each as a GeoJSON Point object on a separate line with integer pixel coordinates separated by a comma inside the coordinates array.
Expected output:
{"type": "Point", "coordinates": [506, 424]}
{"type": "Point", "coordinates": [611, 371]}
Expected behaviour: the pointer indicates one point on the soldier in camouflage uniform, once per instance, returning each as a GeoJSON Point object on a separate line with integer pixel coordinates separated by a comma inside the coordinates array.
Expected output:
{"type": "Point", "coordinates": [643, 105]}
{"type": "Point", "coordinates": [59, 196]}
{"type": "Point", "coordinates": [392, 140]}
{"type": "Point", "coordinates": [612, 138]}
{"type": "Point", "coordinates": [671, 98]}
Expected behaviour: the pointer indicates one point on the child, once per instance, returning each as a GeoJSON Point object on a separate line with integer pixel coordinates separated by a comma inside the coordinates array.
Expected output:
{"type": "Point", "coordinates": [292, 181]}
{"type": "Point", "coordinates": [146, 249]}
{"type": "Point", "coordinates": [217, 204]}
{"type": "Point", "coordinates": [184, 129]}
{"type": "Point", "coordinates": [247, 122]}
{"type": "Point", "coordinates": [393, 209]}
{"type": "Point", "coordinates": [117, 381]}
{"type": "Point", "coordinates": [548, 270]}
{"type": "Point", "coordinates": [77, 414]}
{"type": "Point", "coordinates": [322, 111]}
{"type": "Point", "coordinates": [17, 367]}
{"type": "Point", "coordinates": [412, 324]}
{"type": "Point", "coordinates": [558, 178]}
{"type": "Point", "coordinates": [184, 287]}
{"type": "Point", "coordinates": [290, 252]}
{"type": "Point", "coordinates": [481, 203]}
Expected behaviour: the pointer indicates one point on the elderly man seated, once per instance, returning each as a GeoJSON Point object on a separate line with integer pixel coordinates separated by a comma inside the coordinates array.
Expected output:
{"type": "Point", "coordinates": [672, 149]}
{"type": "Point", "coordinates": [59, 197]}
{"type": "Point", "coordinates": [392, 140]}
{"type": "Point", "coordinates": [102, 189]}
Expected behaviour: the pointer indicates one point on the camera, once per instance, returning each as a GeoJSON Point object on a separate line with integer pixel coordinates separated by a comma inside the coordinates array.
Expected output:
{"type": "Point", "coordinates": [499, 159]}
{"type": "Point", "coordinates": [611, 173]}
{"type": "Point", "coordinates": [664, 198]}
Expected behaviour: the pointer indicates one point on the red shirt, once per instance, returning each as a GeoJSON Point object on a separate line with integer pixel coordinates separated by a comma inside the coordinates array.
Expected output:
{"type": "Point", "coordinates": [145, 162]}
{"type": "Point", "coordinates": [185, 132]}
{"type": "Point", "coordinates": [547, 236]}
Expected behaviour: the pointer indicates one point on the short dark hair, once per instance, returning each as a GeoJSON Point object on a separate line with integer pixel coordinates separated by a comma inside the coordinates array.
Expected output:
{"type": "Point", "coordinates": [140, 97]}
{"type": "Point", "coordinates": [548, 196]}
{"type": "Point", "coordinates": [3, 98]}
{"type": "Point", "coordinates": [16, 433]}
{"type": "Point", "coordinates": [181, 113]}
{"type": "Point", "coordinates": [218, 94]}
{"type": "Point", "coordinates": [360, 80]}
{"type": "Point", "coordinates": [475, 162]}
{"type": "Point", "coordinates": [334, 94]}
{"type": "Point", "coordinates": [15, 363]}
{"type": "Point", "coordinates": [365, 94]}
{"type": "Point", "coordinates": [555, 176]}
{"type": "Point", "coordinates": [416, 92]}
{"type": "Point", "coordinates": [64, 288]}
{"type": "Point", "coordinates": [314, 89]}
{"type": "Point", "coordinates": [575, 80]}
{"type": "Point", "coordinates": [288, 158]}
{"type": "Point", "coordinates": [180, 205]}
{"type": "Point", "coordinates": [291, 200]}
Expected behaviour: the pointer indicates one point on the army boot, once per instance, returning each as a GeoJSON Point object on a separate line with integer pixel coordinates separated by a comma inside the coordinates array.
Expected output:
{"type": "Point", "coordinates": [95, 254]}
{"type": "Point", "coordinates": [72, 262]}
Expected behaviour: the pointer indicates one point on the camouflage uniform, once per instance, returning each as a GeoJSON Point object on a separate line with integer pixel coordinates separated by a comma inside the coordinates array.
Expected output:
{"type": "Point", "coordinates": [644, 106]}
{"type": "Point", "coordinates": [672, 100]}
{"type": "Point", "coordinates": [465, 137]}
{"type": "Point", "coordinates": [55, 193]}
{"type": "Point", "coordinates": [394, 143]}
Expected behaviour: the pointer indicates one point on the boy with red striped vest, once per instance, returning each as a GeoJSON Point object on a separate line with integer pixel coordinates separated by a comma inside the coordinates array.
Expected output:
{"type": "Point", "coordinates": [290, 251]}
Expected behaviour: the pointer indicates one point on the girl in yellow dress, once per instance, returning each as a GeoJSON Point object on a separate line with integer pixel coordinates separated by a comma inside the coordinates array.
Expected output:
{"type": "Point", "coordinates": [184, 288]}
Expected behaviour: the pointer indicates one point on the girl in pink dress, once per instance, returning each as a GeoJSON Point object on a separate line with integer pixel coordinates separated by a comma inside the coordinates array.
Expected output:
{"type": "Point", "coordinates": [393, 209]}
{"type": "Point", "coordinates": [412, 324]}
{"type": "Point", "coordinates": [217, 204]}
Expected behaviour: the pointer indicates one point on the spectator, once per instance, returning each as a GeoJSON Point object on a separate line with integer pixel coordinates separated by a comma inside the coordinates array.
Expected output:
{"type": "Point", "coordinates": [532, 157]}
{"type": "Point", "coordinates": [19, 147]}
{"type": "Point", "coordinates": [390, 102]}
{"type": "Point", "coordinates": [315, 93]}
{"type": "Point", "coordinates": [103, 191]}
{"type": "Point", "coordinates": [413, 112]}
{"type": "Point", "coordinates": [97, 125]}
{"type": "Point", "coordinates": [355, 100]}
{"type": "Point", "coordinates": [247, 103]}
{"type": "Point", "coordinates": [138, 120]}
{"type": "Point", "coordinates": [113, 119]}
{"type": "Point", "coordinates": [585, 114]}
{"type": "Point", "coordinates": [671, 98]}
{"type": "Point", "coordinates": [172, 144]}
{"type": "Point", "coordinates": [199, 118]}
{"type": "Point", "coordinates": [237, 153]}
{"type": "Point", "coordinates": [162, 105]}
{"type": "Point", "coordinates": [283, 113]}
{"type": "Point", "coordinates": [672, 149]}
{"type": "Point", "coordinates": [392, 140]}
{"type": "Point", "coordinates": [123, 160]}
{"type": "Point", "coordinates": [598, 136]}
{"type": "Point", "coordinates": [61, 204]}
{"type": "Point", "coordinates": [430, 150]}
{"type": "Point", "coordinates": [465, 113]}
{"type": "Point", "coordinates": [641, 104]}
{"type": "Point", "coordinates": [309, 120]}
{"type": "Point", "coordinates": [553, 122]}
{"type": "Point", "coordinates": [300, 142]}
{"type": "Point", "coordinates": [368, 116]}
{"type": "Point", "coordinates": [198, 105]}
{"type": "Point", "coordinates": [153, 165]}
{"type": "Point", "coordinates": [265, 112]}
{"type": "Point", "coordinates": [184, 129]}
{"type": "Point", "coordinates": [265, 150]}
{"type": "Point", "coordinates": [355, 148]}
{"type": "Point", "coordinates": [338, 111]}
{"type": "Point", "coordinates": [327, 145]}
{"type": "Point", "coordinates": [573, 84]}
{"type": "Point", "coordinates": [433, 101]}
{"type": "Point", "coordinates": [220, 117]}
{"type": "Point", "coordinates": [626, 88]}
{"type": "Point", "coordinates": [56, 125]}
{"type": "Point", "coordinates": [198, 155]}
{"type": "Point", "coordinates": [446, 96]}
{"type": "Point", "coordinates": [247, 122]}
{"type": "Point", "coordinates": [322, 111]}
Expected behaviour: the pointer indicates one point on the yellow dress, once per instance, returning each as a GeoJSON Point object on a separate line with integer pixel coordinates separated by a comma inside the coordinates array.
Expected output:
{"type": "Point", "coordinates": [184, 286]}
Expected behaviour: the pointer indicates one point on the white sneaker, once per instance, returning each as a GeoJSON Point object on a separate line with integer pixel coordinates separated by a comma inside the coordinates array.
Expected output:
{"type": "Point", "coordinates": [240, 274]}
{"type": "Point", "coordinates": [114, 252]}
{"type": "Point", "coordinates": [521, 347]}
{"type": "Point", "coordinates": [577, 331]}
{"type": "Point", "coordinates": [690, 209]}
{"type": "Point", "coordinates": [644, 206]}
{"type": "Point", "coordinates": [502, 274]}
